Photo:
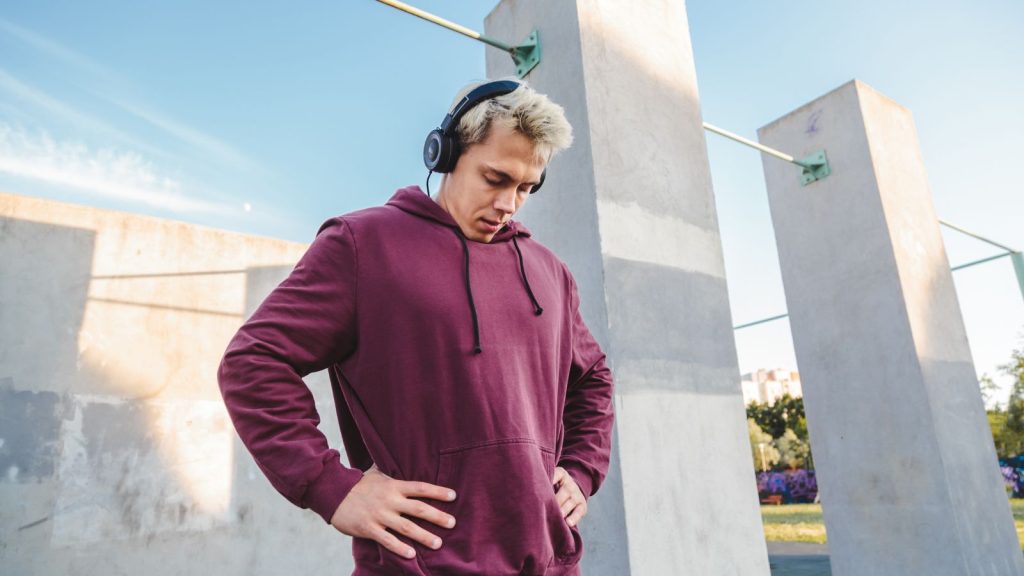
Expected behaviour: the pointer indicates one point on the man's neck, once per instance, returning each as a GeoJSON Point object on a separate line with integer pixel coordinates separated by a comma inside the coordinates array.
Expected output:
{"type": "Point", "coordinates": [439, 200]}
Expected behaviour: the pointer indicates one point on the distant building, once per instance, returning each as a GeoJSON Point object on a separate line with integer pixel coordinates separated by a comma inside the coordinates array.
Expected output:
{"type": "Point", "coordinates": [766, 386]}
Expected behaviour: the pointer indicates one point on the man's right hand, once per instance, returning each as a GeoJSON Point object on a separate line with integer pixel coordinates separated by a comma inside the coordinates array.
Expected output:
{"type": "Point", "coordinates": [377, 503]}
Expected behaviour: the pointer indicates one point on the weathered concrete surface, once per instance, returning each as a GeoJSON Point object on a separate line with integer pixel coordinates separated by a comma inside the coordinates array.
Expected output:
{"type": "Point", "coordinates": [906, 465]}
{"type": "Point", "coordinates": [631, 210]}
{"type": "Point", "coordinates": [116, 453]}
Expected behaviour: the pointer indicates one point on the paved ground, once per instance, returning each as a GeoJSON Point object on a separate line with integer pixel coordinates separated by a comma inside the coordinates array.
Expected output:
{"type": "Point", "coordinates": [798, 559]}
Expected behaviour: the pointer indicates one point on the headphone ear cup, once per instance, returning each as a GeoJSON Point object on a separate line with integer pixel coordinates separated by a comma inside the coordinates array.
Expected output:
{"type": "Point", "coordinates": [432, 148]}
{"type": "Point", "coordinates": [440, 152]}
{"type": "Point", "coordinates": [450, 151]}
{"type": "Point", "coordinates": [541, 183]}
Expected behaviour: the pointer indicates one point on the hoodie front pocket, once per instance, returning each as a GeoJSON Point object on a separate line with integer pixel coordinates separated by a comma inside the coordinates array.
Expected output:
{"type": "Point", "coordinates": [507, 518]}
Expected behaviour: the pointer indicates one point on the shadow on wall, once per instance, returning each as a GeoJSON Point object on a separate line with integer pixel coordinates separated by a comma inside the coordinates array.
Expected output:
{"type": "Point", "coordinates": [37, 351]}
{"type": "Point", "coordinates": [115, 447]}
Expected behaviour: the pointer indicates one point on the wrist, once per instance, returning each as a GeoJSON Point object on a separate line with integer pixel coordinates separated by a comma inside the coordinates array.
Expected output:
{"type": "Point", "coordinates": [325, 494]}
{"type": "Point", "coordinates": [579, 475]}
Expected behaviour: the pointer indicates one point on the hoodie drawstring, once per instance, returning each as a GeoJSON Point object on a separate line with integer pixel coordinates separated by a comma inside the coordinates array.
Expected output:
{"type": "Point", "coordinates": [469, 291]}
{"type": "Point", "coordinates": [537, 310]}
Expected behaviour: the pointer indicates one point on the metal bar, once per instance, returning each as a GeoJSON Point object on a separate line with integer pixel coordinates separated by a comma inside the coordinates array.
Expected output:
{"type": "Point", "coordinates": [447, 24]}
{"type": "Point", "coordinates": [982, 261]}
{"type": "Point", "coordinates": [973, 235]}
{"type": "Point", "coordinates": [753, 144]}
{"type": "Point", "coordinates": [1018, 265]}
{"type": "Point", "coordinates": [749, 324]}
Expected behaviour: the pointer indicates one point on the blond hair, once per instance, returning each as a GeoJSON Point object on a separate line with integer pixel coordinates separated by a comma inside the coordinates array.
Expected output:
{"type": "Point", "coordinates": [524, 110]}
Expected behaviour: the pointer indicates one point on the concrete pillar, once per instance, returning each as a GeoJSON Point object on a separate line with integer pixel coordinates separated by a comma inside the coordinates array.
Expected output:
{"type": "Point", "coordinates": [905, 460]}
{"type": "Point", "coordinates": [630, 209]}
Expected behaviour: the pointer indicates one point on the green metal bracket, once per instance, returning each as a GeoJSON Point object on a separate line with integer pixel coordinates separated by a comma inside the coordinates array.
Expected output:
{"type": "Point", "coordinates": [527, 55]}
{"type": "Point", "coordinates": [1018, 267]}
{"type": "Point", "coordinates": [815, 167]}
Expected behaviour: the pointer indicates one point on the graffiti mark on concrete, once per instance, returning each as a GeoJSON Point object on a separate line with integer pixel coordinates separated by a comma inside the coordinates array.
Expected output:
{"type": "Point", "coordinates": [29, 432]}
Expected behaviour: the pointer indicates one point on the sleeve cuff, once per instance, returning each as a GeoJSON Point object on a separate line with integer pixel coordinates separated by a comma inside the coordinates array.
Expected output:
{"type": "Point", "coordinates": [325, 494]}
{"type": "Point", "coordinates": [580, 476]}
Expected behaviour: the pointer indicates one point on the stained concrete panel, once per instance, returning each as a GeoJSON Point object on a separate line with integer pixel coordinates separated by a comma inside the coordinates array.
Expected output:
{"type": "Point", "coordinates": [116, 452]}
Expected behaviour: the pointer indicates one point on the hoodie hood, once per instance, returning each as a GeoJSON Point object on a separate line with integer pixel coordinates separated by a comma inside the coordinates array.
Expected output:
{"type": "Point", "coordinates": [415, 201]}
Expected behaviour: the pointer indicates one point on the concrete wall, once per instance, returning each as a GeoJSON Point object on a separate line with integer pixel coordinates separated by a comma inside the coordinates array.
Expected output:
{"type": "Point", "coordinates": [116, 453]}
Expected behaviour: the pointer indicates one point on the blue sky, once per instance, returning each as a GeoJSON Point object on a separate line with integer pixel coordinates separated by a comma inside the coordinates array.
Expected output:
{"type": "Point", "coordinates": [268, 119]}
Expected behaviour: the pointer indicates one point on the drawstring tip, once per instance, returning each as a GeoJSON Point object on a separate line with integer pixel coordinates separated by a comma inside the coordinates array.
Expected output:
{"type": "Point", "coordinates": [477, 350]}
{"type": "Point", "coordinates": [538, 311]}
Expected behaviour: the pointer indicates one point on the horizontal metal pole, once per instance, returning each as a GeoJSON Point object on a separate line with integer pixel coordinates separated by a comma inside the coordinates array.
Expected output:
{"type": "Point", "coordinates": [447, 24]}
{"type": "Point", "coordinates": [973, 235]}
{"type": "Point", "coordinates": [749, 324]}
{"type": "Point", "coordinates": [959, 267]}
{"type": "Point", "coordinates": [982, 261]}
{"type": "Point", "coordinates": [753, 144]}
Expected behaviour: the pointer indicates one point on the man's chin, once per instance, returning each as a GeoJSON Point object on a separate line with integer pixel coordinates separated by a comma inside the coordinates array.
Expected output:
{"type": "Point", "coordinates": [481, 236]}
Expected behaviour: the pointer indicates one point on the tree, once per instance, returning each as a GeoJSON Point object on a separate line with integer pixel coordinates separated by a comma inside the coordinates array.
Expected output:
{"type": "Point", "coordinates": [1008, 425]}
{"type": "Point", "coordinates": [988, 390]}
{"type": "Point", "coordinates": [768, 417]}
{"type": "Point", "coordinates": [793, 451]}
{"type": "Point", "coordinates": [794, 417]}
{"type": "Point", "coordinates": [1008, 443]}
{"type": "Point", "coordinates": [1015, 404]}
{"type": "Point", "coordinates": [762, 447]}
{"type": "Point", "coordinates": [786, 412]}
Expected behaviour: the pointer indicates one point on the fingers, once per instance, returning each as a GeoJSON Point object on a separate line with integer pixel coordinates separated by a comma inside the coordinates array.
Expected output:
{"type": "Point", "coordinates": [569, 497]}
{"type": "Point", "coordinates": [411, 530]}
{"type": "Point", "coordinates": [391, 542]}
{"type": "Point", "coordinates": [566, 500]}
{"type": "Point", "coordinates": [573, 506]}
{"type": "Point", "coordinates": [576, 515]}
{"type": "Point", "coordinates": [427, 512]}
{"type": "Point", "coordinates": [376, 503]}
{"type": "Point", "coordinates": [427, 490]}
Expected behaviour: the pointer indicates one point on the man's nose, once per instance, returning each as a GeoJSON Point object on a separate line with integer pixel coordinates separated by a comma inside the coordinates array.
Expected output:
{"type": "Point", "coordinates": [506, 201]}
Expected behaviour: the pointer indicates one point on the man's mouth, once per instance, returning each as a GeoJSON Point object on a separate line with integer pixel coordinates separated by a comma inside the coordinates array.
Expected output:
{"type": "Point", "coordinates": [494, 226]}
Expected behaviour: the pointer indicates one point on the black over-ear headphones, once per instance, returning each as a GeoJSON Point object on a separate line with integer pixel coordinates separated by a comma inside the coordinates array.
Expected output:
{"type": "Point", "coordinates": [441, 150]}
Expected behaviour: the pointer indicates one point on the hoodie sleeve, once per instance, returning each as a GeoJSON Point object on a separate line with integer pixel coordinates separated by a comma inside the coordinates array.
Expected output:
{"type": "Point", "coordinates": [306, 324]}
{"type": "Point", "coordinates": [588, 415]}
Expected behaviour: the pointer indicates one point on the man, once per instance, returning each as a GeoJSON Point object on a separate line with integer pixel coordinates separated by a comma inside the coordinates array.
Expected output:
{"type": "Point", "coordinates": [475, 405]}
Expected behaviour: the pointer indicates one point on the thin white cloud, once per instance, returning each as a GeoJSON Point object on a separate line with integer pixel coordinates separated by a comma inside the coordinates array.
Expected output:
{"type": "Point", "coordinates": [111, 83]}
{"type": "Point", "coordinates": [57, 110]}
{"type": "Point", "coordinates": [106, 172]}
{"type": "Point", "coordinates": [45, 45]}
{"type": "Point", "coordinates": [212, 146]}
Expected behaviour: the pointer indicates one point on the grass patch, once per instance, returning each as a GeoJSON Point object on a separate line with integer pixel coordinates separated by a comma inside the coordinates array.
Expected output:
{"type": "Point", "coordinates": [803, 522]}
{"type": "Point", "coordinates": [794, 523]}
{"type": "Point", "coordinates": [1017, 506]}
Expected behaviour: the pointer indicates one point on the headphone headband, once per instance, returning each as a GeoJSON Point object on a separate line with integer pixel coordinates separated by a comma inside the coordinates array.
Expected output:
{"type": "Point", "coordinates": [475, 96]}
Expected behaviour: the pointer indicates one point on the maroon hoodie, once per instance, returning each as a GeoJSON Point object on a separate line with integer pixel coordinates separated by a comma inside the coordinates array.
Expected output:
{"type": "Point", "coordinates": [460, 363]}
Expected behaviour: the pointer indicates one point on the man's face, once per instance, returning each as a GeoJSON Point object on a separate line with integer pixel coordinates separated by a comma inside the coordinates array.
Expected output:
{"type": "Point", "coordinates": [491, 181]}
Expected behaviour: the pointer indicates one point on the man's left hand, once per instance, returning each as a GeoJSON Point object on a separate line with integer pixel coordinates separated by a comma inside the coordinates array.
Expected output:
{"type": "Point", "coordinates": [570, 497]}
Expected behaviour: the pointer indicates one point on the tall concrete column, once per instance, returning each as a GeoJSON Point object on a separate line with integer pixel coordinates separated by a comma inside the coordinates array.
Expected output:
{"type": "Point", "coordinates": [630, 209]}
{"type": "Point", "coordinates": [905, 461]}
